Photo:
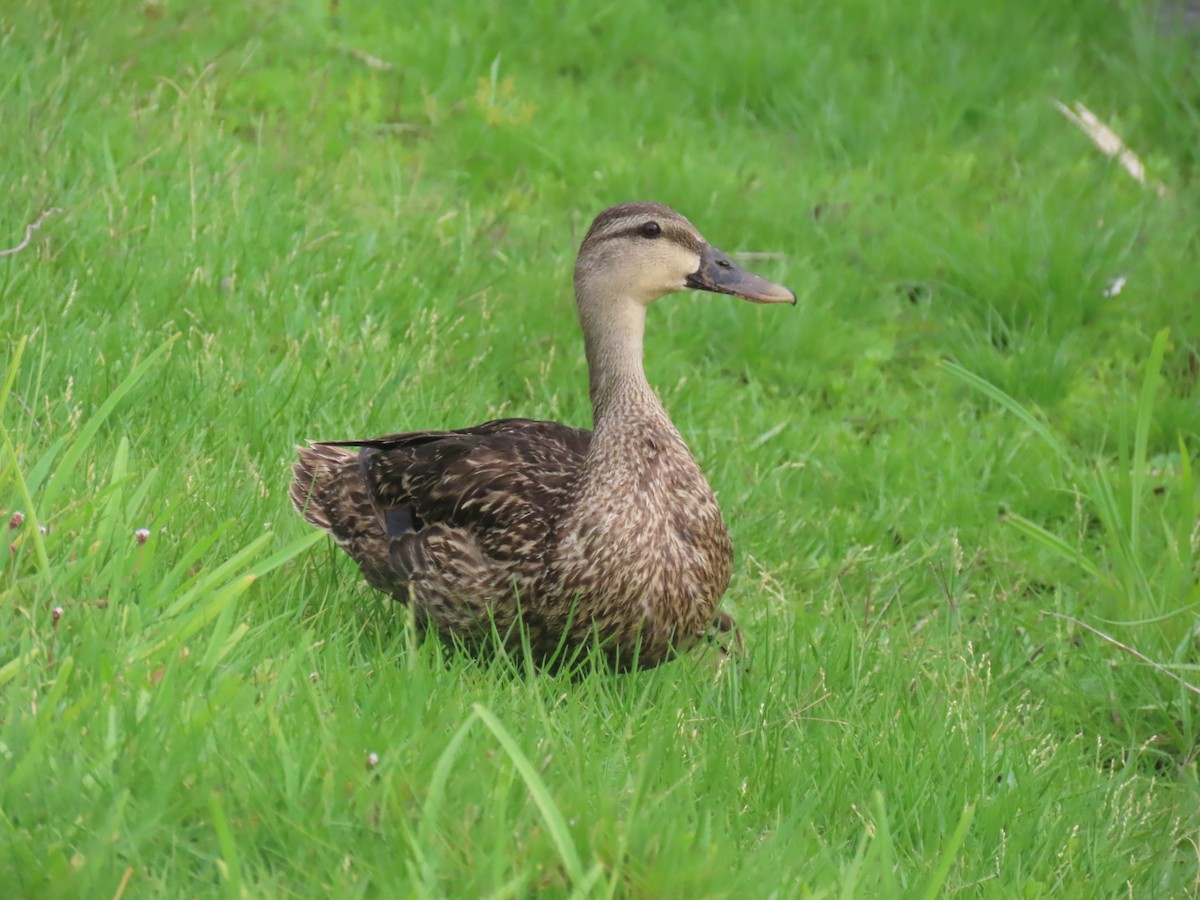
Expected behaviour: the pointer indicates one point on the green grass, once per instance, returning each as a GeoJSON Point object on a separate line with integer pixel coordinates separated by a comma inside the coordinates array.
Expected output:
{"type": "Point", "coordinates": [948, 465]}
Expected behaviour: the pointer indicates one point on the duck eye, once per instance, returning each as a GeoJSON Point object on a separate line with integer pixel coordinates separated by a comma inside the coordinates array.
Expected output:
{"type": "Point", "coordinates": [651, 230]}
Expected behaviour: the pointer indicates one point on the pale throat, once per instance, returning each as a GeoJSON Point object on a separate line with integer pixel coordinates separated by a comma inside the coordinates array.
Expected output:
{"type": "Point", "coordinates": [613, 331]}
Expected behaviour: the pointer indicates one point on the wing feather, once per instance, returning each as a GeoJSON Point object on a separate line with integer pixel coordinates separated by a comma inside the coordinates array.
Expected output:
{"type": "Point", "coordinates": [505, 475]}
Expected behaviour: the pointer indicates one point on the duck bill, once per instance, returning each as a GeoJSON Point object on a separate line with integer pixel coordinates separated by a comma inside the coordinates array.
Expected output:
{"type": "Point", "coordinates": [721, 275]}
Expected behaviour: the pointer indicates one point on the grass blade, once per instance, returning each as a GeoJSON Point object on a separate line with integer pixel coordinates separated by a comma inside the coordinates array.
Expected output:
{"type": "Point", "coordinates": [227, 862]}
{"type": "Point", "coordinates": [946, 860]}
{"type": "Point", "coordinates": [1009, 403]}
{"type": "Point", "coordinates": [431, 809]}
{"type": "Point", "coordinates": [555, 824]}
{"type": "Point", "coordinates": [84, 440]}
{"type": "Point", "coordinates": [1053, 542]}
{"type": "Point", "coordinates": [10, 377]}
{"type": "Point", "coordinates": [1141, 434]}
{"type": "Point", "coordinates": [35, 532]}
{"type": "Point", "coordinates": [12, 668]}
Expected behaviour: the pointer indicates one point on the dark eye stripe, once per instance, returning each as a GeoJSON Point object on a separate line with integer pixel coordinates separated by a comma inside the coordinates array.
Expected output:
{"type": "Point", "coordinates": [640, 231]}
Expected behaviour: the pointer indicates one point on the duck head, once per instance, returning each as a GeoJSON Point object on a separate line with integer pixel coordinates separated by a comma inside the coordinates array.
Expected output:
{"type": "Point", "coordinates": [641, 251]}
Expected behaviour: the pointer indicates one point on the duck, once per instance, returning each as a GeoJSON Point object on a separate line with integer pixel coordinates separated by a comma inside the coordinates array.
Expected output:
{"type": "Point", "coordinates": [545, 538]}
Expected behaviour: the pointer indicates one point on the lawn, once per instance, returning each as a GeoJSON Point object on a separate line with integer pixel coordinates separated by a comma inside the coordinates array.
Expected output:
{"type": "Point", "coordinates": [960, 474]}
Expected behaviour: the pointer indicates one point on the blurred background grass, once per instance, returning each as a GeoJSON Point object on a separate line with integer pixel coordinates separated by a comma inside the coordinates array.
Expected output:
{"type": "Point", "coordinates": [359, 219]}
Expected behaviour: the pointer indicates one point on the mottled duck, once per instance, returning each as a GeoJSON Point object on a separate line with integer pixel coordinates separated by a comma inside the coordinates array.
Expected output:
{"type": "Point", "coordinates": [609, 537]}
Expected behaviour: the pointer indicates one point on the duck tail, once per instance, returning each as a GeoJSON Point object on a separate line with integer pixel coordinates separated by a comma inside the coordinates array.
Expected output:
{"type": "Point", "coordinates": [327, 490]}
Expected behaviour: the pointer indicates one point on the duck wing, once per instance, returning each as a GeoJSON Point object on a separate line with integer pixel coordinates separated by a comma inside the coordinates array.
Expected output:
{"type": "Point", "coordinates": [506, 474]}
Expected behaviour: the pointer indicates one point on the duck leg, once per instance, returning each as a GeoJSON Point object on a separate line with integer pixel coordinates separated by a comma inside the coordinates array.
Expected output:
{"type": "Point", "coordinates": [723, 631]}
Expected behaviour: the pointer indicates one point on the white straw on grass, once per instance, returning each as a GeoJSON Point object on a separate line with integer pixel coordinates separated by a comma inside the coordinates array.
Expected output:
{"type": "Point", "coordinates": [1108, 141]}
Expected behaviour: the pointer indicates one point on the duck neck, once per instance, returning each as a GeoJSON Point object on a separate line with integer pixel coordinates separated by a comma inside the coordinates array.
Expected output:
{"type": "Point", "coordinates": [613, 331]}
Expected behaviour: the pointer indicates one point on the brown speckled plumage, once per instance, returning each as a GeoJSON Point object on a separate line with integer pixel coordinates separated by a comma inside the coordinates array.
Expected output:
{"type": "Point", "coordinates": [611, 535]}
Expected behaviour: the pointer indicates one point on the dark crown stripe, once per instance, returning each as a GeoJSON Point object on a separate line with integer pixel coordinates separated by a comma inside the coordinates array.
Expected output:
{"type": "Point", "coordinates": [626, 220]}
